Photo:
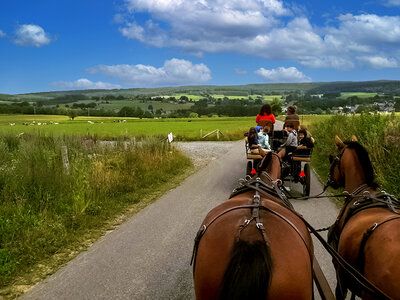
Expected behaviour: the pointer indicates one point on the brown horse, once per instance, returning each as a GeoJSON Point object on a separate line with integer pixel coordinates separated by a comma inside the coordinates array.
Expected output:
{"type": "Point", "coordinates": [250, 251]}
{"type": "Point", "coordinates": [367, 230]}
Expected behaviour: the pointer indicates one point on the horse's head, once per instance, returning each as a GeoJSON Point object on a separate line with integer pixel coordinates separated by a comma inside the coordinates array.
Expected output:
{"type": "Point", "coordinates": [271, 164]}
{"type": "Point", "coordinates": [351, 164]}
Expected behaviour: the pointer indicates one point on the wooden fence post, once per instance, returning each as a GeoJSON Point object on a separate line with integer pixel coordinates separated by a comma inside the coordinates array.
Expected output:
{"type": "Point", "coordinates": [64, 156]}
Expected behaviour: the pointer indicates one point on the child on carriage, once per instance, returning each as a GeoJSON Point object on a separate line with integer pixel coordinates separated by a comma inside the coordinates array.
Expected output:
{"type": "Point", "coordinates": [254, 142]}
{"type": "Point", "coordinates": [291, 143]}
{"type": "Point", "coordinates": [263, 138]}
{"type": "Point", "coordinates": [304, 140]}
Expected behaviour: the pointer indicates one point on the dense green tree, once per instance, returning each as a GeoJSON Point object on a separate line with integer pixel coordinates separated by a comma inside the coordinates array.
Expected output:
{"type": "Point", "coordinates": [276, 106]}
{"type": "Point", "coordinates": [72, 113]}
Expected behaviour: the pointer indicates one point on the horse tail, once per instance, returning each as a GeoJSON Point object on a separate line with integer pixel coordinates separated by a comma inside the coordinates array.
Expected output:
{"type": "Point", "coordinates": [249, 271]}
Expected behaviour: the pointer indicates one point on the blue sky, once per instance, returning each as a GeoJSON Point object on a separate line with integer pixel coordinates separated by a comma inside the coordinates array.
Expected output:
{"type": "Point", "coordinates": [48, 45]}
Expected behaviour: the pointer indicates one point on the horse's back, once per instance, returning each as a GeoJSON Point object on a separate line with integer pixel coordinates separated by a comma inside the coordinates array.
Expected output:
{"type": "Point", "coordinates": [291, 264]}
{"type": "Point", "coordinates": [379, 256]}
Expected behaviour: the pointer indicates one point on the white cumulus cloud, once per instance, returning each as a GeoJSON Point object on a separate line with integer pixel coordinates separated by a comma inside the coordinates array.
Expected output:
{"type": "Point", "coordinates": [282, 75]}
{"type": "Point", "coordinates": [31, 35]}
{"type": "Point", "coordinates": [392, 2]}
{"type": "Point", "coordinates": [271, 29]}
{"type": "Point", "coordinates": [240, 71]}
{"type": "Point", "coordinates": [173, 72]}
{"type": "Point", "coordinates": [2, 34]}
{"type": "Point", "coordinates": [379, 62]}
{"type": "Point", "coordinates": [84, 84]}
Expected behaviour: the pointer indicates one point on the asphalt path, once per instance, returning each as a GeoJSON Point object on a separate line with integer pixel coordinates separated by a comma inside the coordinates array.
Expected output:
{"type": "Point", "coordinates": [148, 256]}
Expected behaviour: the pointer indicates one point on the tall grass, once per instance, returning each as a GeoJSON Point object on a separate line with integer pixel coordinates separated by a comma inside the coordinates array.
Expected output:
{"type": "Point", "coordinates": [44, 208]}
{"type": "Point", "coordinates": [379, 134]}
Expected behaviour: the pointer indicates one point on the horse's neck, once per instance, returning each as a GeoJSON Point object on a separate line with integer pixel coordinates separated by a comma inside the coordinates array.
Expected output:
{"type": "Point", "coordinates": [274, 169]}
{"type": "Point", "coordinates": [353, 171]}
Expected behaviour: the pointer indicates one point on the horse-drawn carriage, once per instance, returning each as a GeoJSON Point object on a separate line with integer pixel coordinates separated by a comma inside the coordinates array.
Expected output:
{"type": "Point", "coordinates": [295, 169]}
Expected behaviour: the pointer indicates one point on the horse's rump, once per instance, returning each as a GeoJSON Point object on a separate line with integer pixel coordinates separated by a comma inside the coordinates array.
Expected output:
{"type": "Point", "coordinates": [287, 254]}
{"type": "Point", "coordinates": [370, 241]}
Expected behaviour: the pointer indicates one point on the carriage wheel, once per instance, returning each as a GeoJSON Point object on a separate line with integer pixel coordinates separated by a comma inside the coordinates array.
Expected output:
{"type": "Point", "coordinates": [249, 167]}
{"type": "Point", "coordinates": [307, 181]}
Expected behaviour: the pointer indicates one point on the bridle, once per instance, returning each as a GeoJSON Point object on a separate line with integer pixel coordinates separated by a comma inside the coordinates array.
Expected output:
{"type": "Point", "coordinates": [335, 161]}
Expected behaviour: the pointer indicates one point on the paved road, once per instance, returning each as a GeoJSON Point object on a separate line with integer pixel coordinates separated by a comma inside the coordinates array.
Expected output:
{"type": "Point", "coordinates": [148, 256]}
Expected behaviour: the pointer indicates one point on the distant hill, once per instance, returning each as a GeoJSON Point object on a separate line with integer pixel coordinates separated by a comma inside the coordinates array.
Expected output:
{"type": "Point", "coordinates": [380, 86]}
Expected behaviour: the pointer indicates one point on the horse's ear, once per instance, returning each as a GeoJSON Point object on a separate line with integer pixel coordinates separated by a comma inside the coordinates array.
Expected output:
{"type": "Point", "coordinates": [339, 142]}
{"type": "Point", "coordinates": [354, 138]}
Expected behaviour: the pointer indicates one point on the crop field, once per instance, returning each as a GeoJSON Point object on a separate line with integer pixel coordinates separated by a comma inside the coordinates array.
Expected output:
{"type": "Point", "coordinates": [116, 105]}
{"type": "Point", "coordinates": [216, 96]}
{"type": "Point", "coordinates": [359, 95]}
{"type": "Point", "coordinates": [102, 127]}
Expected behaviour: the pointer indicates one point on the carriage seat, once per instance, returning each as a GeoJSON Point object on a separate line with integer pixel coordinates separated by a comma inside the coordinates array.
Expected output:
{"type": "Point", "coordinates": [268, 123]}
{"type": "Point", "coordinates": [302, 153]}
{"type": "Point", "coordinates": [252, 152]}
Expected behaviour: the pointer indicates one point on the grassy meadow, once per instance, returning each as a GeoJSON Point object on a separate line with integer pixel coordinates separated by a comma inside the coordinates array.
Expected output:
{"type": "Point", "coordinates": [346, 95]}
{"type": "Point", "coordinates": [48, 212]}
{"type": "Point", "coordinates": [106, 128]}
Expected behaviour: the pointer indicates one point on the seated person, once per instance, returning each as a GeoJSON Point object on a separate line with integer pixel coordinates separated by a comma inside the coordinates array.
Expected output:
{"type": "Point", "coordinates": [305, 144]}
{"type": "Point", "coordinates": [265, 115]}
{"type": "Point", "coordinates": [291, 116]}
{"type": "Point", "coordinates": [291, 143]}
{"type": "Point", "coordinates": [304, 140]}
{"type": "Point", "coordinates": [263, 138]}
{"type": "Point", "coordinates": [252, 139]}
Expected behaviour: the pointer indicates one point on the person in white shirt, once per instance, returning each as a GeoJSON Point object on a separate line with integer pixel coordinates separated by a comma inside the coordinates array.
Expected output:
{"type": "Point", "coordinates": [263, 138]}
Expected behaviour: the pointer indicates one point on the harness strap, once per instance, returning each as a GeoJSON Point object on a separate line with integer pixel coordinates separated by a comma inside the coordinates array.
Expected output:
{"type": "Point", "coordinates": [259, 225]}
{"type": "Point", "coordinates": [356, 275]}
{"type": "Point", "coordinates": [204, 227]}
{"type": "Point", "coordinates": [366, 236]}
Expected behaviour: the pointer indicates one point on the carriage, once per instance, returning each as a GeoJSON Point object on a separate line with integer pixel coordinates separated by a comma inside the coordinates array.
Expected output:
{"type": "Point", "coordinates": [295, 170]}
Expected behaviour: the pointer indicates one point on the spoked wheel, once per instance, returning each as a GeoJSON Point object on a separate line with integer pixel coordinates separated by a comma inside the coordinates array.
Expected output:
{"type": "Point", "coordinates": [307, 180]}
{"type": "Point", "coordinates": [249, 167]}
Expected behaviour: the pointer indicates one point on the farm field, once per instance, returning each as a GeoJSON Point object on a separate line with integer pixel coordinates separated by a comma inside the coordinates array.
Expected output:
{"type": "Point", "coordinates": [116, 105]}
{"type": "Point", "coordinates": [359, 95]}
{"type": "Point", "coordinates": [104, 127]}
{"type": "Point", "coordinates": [216, 96]}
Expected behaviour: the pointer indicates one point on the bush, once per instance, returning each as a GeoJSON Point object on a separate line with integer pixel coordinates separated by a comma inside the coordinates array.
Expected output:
{"type": "Point", "coordinates": [379, 134]}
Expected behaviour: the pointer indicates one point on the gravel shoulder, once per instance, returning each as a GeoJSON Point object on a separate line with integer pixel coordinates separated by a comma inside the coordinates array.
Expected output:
{"type": "Point", "coordinates": [202, 153]}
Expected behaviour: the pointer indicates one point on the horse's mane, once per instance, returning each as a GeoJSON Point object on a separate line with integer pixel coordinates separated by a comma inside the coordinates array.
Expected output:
{"type": "Point", "coordinates": [264, 163]}
{"type": "Point", "coordinates": [364, 161]}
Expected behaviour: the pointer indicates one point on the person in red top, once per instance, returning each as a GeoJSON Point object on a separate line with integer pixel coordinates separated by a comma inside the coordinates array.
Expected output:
{"type": "Point", "coordinates": [265, 114]}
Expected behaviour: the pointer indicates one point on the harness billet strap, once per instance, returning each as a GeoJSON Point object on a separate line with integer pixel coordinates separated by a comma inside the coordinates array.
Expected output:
{"type": "Point", "coordinates": [204, 227]}
{"type": "Point", "coordinates": [256, 206]}
{"type": "Point", "coordinates": [364, 282]}
{"type": "Point", "coordinates": [366, 236]}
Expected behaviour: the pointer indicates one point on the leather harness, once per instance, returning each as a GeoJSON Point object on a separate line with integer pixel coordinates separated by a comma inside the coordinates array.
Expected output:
{"type": "Point", "coordinates": [260, 187]}
{"type": "Point", "coordinates": [356, 202]}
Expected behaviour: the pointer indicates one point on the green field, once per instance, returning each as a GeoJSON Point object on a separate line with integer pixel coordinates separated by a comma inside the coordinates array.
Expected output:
{"type": "Point", "coordinates": [359, 95]}
{"type": "Point", "coordinates": [216, 96]}
{"type": "Point", "coordinates": [104, 127]}
{"type": "Point", "coordinates": [116, 105]}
